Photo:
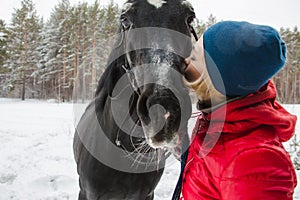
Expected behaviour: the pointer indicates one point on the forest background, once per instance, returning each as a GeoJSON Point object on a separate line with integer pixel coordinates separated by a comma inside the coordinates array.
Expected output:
{"type": "Point", "coordinates": [68, 52]}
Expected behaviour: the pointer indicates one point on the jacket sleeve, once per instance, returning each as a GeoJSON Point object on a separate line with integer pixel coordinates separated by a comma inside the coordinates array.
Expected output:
{"type": "Point", "coordinates": [260, 173]}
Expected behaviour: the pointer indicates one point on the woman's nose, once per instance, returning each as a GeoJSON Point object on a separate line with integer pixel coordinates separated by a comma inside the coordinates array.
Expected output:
{"type": "Point", "coordinates": [191, 72]}
{"type": "Point", "coordinates": [187, 60]}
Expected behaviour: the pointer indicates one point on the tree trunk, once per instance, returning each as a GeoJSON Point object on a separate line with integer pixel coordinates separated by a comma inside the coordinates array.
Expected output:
{"type": "Point", "coordinates": [64, 69]}
{"type": "Point", "coordinates": [24, 63]}
{"type": "Point", "coordinates": [84, 63]}
{"type": "Point", "coordinates": [79, 72]}
{"type": "Point", "coordinates": [93, 83]}
{"type": "Point", "coordinates": [23, 85]}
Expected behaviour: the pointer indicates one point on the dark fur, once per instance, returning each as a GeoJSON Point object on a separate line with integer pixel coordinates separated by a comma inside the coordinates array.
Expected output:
{"type": "Point", "coordinates": [97, 180]}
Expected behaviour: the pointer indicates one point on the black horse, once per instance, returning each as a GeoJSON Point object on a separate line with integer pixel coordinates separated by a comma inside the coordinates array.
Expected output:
{"type": "Point", "coordinates": [141, 106]}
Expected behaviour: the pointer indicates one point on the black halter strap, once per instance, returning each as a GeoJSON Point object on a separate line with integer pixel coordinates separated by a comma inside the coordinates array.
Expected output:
{"type": "Point", "coordinates": [194, 33]}
{"type": "Point", "coordinates": [128, 65]}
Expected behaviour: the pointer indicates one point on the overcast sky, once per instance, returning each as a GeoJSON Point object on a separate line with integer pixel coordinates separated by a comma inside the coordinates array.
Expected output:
{"type": "Point", "coordinates": [271, 12]}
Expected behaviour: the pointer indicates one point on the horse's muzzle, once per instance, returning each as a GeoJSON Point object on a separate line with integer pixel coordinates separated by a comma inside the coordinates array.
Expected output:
{"type": "Point", "coordinates": [160, 114]}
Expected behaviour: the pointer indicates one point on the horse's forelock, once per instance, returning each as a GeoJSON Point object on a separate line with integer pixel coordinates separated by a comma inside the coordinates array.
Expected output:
{"type": "Point", "coordinates": [157, 3]}
{"type": "Point", "coordinates": [187, 3]}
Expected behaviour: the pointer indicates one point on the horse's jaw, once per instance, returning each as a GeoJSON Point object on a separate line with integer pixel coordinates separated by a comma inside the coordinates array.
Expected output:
{"type": "Point", "coordinates": [174, 145]}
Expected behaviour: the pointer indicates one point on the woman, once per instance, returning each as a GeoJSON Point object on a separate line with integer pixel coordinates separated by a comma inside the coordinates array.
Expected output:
{"type": "Point", "coordinates": [236, 151]}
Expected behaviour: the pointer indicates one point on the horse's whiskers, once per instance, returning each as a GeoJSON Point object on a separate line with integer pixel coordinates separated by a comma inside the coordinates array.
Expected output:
{"type": "Point", "coordinates": [143, 154]}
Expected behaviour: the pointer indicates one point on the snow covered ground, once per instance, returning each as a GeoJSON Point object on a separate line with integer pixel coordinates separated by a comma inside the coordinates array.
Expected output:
{"type": "Point", "coordinates": [36, 153]}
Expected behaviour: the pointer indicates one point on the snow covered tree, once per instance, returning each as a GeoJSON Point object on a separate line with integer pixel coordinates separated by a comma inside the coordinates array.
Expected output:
{"type": "Point", "coordinates": [95, 14]}
{"type": "Point", "coordinates": [102, 26]}
{"type": "Point", "coordinates": [56, 48]}
{"type": "Point", "coordinates": [92, 28]}
{"type": "Point", "coordinates": [75, 49]}
{"type": "Point", "coordinates": [3, 57]}
{"type": "Point", "coordinates": [287, 81]}
{"type": "Point", "coordinates": [3, 44]}
{"type": "Point", "coordinates": [22, 47]}
{"type": "Point", "coordinates": [80, 44]}
{"type": "Point", "coordinates": [201, 25]}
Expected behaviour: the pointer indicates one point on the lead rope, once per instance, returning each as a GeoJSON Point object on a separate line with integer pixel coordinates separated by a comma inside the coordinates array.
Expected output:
{"type": "Point", "coordinates": [184, 156]}
{"type": "Point", "coordinates": [177, 191]}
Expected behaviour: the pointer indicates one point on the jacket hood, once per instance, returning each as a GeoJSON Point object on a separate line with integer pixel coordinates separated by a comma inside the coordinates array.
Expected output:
{"type": "Point", "coordinates": [255, 110]}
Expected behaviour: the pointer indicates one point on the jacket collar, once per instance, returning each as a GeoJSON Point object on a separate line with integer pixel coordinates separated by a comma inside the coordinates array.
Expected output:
{"type": "Point", "coordinates": [255, 110]}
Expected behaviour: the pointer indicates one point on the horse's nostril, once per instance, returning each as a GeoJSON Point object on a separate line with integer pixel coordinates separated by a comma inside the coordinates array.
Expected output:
{"type": "Point", "coordinates": [153, 113]}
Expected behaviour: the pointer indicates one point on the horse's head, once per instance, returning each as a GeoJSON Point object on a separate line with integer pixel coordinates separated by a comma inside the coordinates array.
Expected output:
{"type": "Point", "coordinates": [156, 40]}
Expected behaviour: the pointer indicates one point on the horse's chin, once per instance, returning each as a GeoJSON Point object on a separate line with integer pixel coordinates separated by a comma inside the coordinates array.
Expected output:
{"type": "Point", "coordinates": [166, 143]}
{"type": "Point", "coordinates": [173, 145]}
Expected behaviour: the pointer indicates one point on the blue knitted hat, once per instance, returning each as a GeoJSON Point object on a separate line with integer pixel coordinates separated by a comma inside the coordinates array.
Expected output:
{"type": "Point", "coordinates": [241, 57]}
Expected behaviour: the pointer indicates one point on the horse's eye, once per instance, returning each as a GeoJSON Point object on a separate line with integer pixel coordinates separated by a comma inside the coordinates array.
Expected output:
{"type": "Point", "coordinates": [190, 19]}
{"type": "Point", "coordinates": [126, 23]}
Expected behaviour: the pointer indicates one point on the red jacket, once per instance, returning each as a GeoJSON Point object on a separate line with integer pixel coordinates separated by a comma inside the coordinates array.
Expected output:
{"type": "Point", "coordinates": [247, 160]}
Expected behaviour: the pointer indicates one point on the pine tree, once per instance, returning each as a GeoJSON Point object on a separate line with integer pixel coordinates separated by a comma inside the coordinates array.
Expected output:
{"type": "Point", "coordinates": [65, 32]}
{"type": "Point", "coordinates": [57, 46]}
{"type": "Point", "coordinates": [94, 57]}
{"type": "Point", "coordinates": [50, 48]}
{"type": "Point", "coordinates": [201, 25]}
{"type": "Point", "coordinates": [3, 45]}
{"type": "Point", "coordinates": [211, 21]}
{"type": "Point", "coordinates": [286, 80]}
{"type": "Point", "coordinates": [22, 46]}
{"type": "Point", "coordinates": [93, 27]}
{"type": "Point", "coordinates": [3, 57]}
{"type": "Point", "coordinates": [104, 22]}
{"type": "Point", "coordinates": [80, 44]}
